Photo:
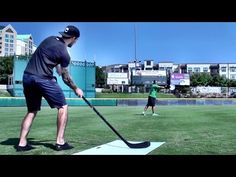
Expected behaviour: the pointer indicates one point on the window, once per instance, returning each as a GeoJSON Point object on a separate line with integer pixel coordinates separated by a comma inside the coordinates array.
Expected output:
{"type": "Point", "coordinates": [232, 69]}
{"type": "Point", "coordinates": [6, 40]}
{"type": "Point", "coordinates": [11, 36]}
{"type": "Point", "coordinates": [18, 82]}
{"type": "Point", "coordinates": [190, 69]}
{"type": "Point", "coordinates": [148, 63]}
{"type": "Point", "coordinates": [197, 70]}
{"type": "Point", "coordinates": [6, 44]}
{"type": "Point", "coordinates": [205, 69]}
{"type": "Point", "coordinates": [162, 68]}
{"type": "Point", "coordinates": [11, 41]}
{"type": "Point", "coordinates": [223, 75]}
{"type": "Point", "coordinates": [223, 69]}
{"type": "Point", "coordinates": [232, 76]}
{"type": "Point", "coordinates": [6, 35]}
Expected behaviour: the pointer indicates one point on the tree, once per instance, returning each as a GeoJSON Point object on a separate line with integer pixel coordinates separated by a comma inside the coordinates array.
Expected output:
{"type": "Point", "coordinates": [200, 79]}
{"type": "Point", "coordinates": [6, 68]}
{"type": "Point", "coordinates": [218, 81]}
{"type": "Point", "coordinates": [231, 83]}
{"type": "Point", "coordinates": [100, 77]}
{"type": "Point", "coordinates": [205, 79]}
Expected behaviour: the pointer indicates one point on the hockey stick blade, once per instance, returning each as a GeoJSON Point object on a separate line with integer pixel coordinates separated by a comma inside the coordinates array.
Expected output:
{"type": "Point", "coordinates": [144, 144]}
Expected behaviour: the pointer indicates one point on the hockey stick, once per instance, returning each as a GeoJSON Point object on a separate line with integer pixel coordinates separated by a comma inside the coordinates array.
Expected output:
{"type": "Point", "coordinates": [131, 145]}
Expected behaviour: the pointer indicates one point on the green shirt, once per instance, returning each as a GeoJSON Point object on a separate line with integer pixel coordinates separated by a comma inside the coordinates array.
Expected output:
{"type": "Point", "coordinates": [153, 91]}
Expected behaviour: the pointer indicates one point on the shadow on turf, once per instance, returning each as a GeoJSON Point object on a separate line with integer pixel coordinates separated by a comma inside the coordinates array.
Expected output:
{"type": "Point", "coordinates": [31, 141]}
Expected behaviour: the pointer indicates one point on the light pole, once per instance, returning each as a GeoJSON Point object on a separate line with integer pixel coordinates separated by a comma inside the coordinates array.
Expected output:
{"type": "Point", "coordinates": [135, 45]}
{"type": "Point", "coordinates": [135, 58]}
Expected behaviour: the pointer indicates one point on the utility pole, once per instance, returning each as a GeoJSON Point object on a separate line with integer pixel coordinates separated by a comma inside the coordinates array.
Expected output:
{"type": "Point", "coordinates": [135, 45]}
{"type": "Point", "coordinates": [135, 58]}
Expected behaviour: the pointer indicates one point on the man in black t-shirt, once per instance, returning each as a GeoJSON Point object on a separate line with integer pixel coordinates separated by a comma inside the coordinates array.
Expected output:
{"type": "Point", "coordinates": [38, 82]}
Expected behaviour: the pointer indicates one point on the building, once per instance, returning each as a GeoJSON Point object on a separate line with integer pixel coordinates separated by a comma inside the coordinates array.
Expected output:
{"type": "Point", "coordinates": [25, 44]}
{"type": "Point", "coordinates": [7, 40]}
{"type": "Point", "coordinates": [198, 68]}
{"type": "Point", "coordinates": [117, 77]}
{"type": "Point", "coordinates": [140, 76]}
{"type": "Point", "coordinates": [13, 44]}
{"type": "Point", "coordinates": [227, 70]}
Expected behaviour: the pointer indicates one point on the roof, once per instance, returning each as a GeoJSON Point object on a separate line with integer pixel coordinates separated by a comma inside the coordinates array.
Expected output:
{"type": "Point", "coordinates": [23, 37]}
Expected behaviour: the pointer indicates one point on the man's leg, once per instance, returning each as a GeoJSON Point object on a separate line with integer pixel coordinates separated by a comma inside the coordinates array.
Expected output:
{"type": "Point", "coordinates": [145, 109]}
{"type": "Point", "coordinates": [153, 109]}
{"type": "Point", "coordinates": [25, 127]}
{"type": "Point", "coordinates": [62, 117]}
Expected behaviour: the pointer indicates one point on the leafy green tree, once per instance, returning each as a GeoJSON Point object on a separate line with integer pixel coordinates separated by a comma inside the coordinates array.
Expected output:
{"type": "Point", "coordinates": [6, 68]}
{"type": "Point", "coordinates": [200, 79]}
{"type": "Point", "coordinates": [218, 81]}
{"type": "Point", "coordinates": [100, 77]}
{"type": "Point", "coordinates": [205, 79]}
{"type": "Point", "coordinates": [231, 83]}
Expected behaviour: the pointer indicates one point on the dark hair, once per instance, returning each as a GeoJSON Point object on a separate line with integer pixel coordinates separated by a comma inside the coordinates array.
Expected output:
{"type": "Point", "coordinates": [154, 82]}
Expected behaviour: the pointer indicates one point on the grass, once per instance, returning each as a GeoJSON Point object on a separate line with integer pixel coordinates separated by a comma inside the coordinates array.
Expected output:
{"type": "Point", "coordinates": [186, 130]}
{"type": "Point", "coordinates": [131, 95]}
{"type": "Point", "coordinates": [4, 93]}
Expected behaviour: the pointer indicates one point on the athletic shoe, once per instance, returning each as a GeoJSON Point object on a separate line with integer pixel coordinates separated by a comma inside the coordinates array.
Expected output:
{"type": "Point", "coordinates": [154, 114]}
{"type": "Point", "coordinates": [65, 146]}
{"type": "Point", "coordinates": [144, 113]}
{"type": "Point", "coordinates": [23, 148]}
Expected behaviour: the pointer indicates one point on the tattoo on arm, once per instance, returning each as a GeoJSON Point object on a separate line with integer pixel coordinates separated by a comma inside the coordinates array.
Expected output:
{"type": "Point", "coordinates": [67, 78]}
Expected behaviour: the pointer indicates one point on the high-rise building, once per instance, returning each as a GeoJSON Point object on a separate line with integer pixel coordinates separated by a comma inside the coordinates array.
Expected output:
{"type": "Point", "coordinates": [7, 40]}
{"type": "Point", "coordinates": [25, 44]}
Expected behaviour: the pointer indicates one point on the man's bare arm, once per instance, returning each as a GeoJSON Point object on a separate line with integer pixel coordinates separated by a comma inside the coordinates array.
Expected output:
{"type": "Point", "coordinates": [67, 78]}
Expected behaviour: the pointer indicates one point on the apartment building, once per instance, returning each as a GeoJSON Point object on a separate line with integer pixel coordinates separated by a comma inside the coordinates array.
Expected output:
{"type": "Point", "coordinates": [227, 70]}
{"type": "Point", "coordinates": [25, 44]}
{"type": "Point", "coordinates": [12, 43]}
{"type": "Point", "coordinates": [139, 74]}
{"type": "Point", "coordinates": [7, 40]}
{"type": "Point", "coordinates": [198, 68]}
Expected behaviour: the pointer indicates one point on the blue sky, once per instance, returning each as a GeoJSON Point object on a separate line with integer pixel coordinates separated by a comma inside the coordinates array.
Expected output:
{"type": "Point", "coordinates": [114, 42]}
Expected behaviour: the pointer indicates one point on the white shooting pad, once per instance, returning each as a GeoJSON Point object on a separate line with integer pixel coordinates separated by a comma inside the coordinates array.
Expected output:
{"type": "Point", "coordinates": [118, 147]}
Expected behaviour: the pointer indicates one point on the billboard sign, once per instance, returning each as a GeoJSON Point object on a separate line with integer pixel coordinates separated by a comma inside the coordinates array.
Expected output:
{"type": "Point", "coordinates": [180, 79]}
{"type": "Point", "coordinates": [117, 79]}
{"type": "Point", "coordinates": [147, 80]}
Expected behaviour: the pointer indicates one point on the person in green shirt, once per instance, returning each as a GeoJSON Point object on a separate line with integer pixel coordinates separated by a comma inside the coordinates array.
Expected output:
{"type": "Point", "coordinates": [152, 98]}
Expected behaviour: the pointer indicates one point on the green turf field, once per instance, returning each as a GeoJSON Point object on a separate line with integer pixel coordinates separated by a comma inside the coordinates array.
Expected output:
{"type": "Point", "coordinates": [186, 130]}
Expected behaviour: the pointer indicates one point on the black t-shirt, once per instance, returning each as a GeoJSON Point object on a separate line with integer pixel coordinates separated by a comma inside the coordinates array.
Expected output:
{"type": "Point", "coordinates": [51, 52]}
